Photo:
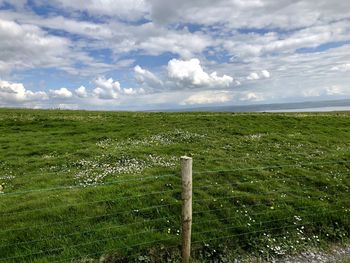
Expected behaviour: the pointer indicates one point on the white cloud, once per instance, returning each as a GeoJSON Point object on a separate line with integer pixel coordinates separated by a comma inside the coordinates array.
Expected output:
{"type": "Point", "coordinates": [24, 44]}
{"type": "Point", "coordinates": [252, 45]}
{"type": "Point", "coordinates": [129, 91]}
{"type": "Point", "coordinates": [160, 40]}
{"type": "Point", "coordinates": [146, 77]}
{"type": "Point", "coordinates": [122, 37]}
{"type": "Point", "coordinates": [126, 9]}
{"type": "Point", "coordinates": [247, 39]}
{"type": "Point", "coordinates": [27, 46]}
{"type": "Point", "coordinates": [81, 92]}
{"type": "Point", "coordinates": [334, 90]}
{"type": "Point", "coordinates": [106, 88]}
{"type": "Point", "coordinates": [342, 67]}
{"type": "Point", "coordinates": [253, 76]}
{"type": "Point", "coordinates": [189, 73]}
{"type": "Point", "coordinates": [251, 96]}
{"type": "Point", "coordinates": [109, 89]}
{"type": "Point", "coordinates": [62, 93]}
{"type": "Point", "coordinates": [83, 28]}
{"type": "Point", "coordinates": [15, 92]}
{"type": "Point", "coordinates": [249, 14]}
{"type": "Point", "coordinates": [312, 26]}
{"type": "Point", "coordinates": [208, 97]}
{"type": "Point", "coordinates": [265, 74]}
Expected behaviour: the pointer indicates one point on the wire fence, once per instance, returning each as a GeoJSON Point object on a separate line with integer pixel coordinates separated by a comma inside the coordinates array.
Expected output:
{"type": "Point", "coordinates": [138, 218]}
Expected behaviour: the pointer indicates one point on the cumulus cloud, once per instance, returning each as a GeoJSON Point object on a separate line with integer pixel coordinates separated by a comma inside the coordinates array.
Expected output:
{"type": "Point", "coordinates": [120, 37]}
{"type": "Point", "coordinates": [81, 92]}
{"type": "Point", "coordinates": [208, 97]}
{"type": "Point", "coordinates": [255, 76]}
{"type": "Point", "coordinates": [304, 44]}
{"type": "Point", "coordinates": [313, 26]}
{"type": "Point", "coordinates": [265, 73]}
{"type": "Point", "coordinates": [62, 93]}
{"type": "Point", "coordinates": [189, 73]}
{"type": "Point", "coordinates": [25, 44]}
{"type": "Point", "coordinates": [106, 88]}
{"type": "Point", "coordinates": [28, 46]}
{"type": "Point", "coordinates": [15, 92]}
{"type": "Point", "coordinates": [146, 77]}
{"type": "Point", "coordinates": [109, 89]}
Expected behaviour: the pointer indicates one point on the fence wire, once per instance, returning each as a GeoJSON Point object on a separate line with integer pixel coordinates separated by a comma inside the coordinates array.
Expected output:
{"type": "Point", "coordinates": [221, 223]}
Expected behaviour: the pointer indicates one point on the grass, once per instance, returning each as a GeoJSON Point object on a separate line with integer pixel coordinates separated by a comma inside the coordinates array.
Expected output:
{"type": "Point", "coordinates": [84, 185]}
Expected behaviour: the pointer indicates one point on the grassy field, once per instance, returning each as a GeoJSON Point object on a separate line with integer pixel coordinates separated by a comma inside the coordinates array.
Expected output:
{"type": "Point", "coordinates": [84, 186]}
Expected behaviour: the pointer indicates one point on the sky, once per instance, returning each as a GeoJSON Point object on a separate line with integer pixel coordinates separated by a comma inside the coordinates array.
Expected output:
{"type": "Point", "coordinates": [166, 54]}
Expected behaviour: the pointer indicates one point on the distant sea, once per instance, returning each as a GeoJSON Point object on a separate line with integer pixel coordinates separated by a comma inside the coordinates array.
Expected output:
{"type": "Point", "coordinates": [319, 109]}
{"type": "Point", "coordinates": [307, 106]}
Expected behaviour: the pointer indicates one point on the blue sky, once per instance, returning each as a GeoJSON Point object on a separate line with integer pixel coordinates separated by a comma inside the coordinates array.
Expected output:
{"type": "Point", "coordinates": [161, 54]}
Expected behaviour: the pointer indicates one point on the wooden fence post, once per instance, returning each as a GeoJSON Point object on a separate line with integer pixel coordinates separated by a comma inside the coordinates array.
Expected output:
{"type": "Point", "coordinates": [186, 176]}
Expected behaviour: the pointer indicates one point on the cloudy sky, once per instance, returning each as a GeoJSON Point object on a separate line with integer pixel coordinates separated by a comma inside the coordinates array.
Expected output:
{"type": "Point", "coordinates": [154, 54]}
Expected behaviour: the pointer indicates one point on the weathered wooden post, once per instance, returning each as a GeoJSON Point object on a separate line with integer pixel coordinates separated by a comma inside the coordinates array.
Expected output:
{"type": "Point", "coordinates": [186, 175]}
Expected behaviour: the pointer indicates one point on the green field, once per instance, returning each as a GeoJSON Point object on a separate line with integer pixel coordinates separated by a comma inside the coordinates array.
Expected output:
{"type": "Point", "coordinates": [80, 186]}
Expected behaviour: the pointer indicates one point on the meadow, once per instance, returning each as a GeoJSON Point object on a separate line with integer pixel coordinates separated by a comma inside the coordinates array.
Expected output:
{"type": "Point", "coordinates": [84, 186]}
